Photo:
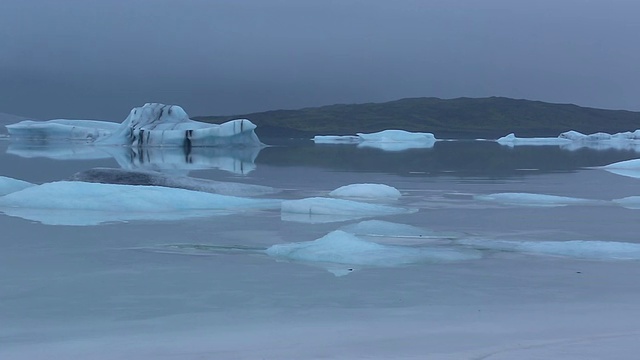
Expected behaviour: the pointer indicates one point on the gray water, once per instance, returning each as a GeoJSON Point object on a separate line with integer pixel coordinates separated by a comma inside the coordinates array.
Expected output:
{"type": "Point", "coordinates": [203, 289]}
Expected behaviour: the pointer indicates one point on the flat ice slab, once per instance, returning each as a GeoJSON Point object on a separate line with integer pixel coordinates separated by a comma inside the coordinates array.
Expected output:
{"type": "Point", "coordinates": [367, 191]}
{"type": "Point", "coordinates": [388, 140]}
{"type": "Point", "coordinates": [529, 199]}
{"type": "Point", "coordinates": [153, 124]}
{"type": "Point", "coordinates": [82, 203]}
{"type": "Point", "coordinates": [9, 185]}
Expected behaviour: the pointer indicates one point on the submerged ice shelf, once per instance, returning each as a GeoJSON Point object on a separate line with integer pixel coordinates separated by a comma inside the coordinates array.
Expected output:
{"type": "Point", "coordinates": [153, 124]}
{"type": "Point", "coordinates": [318, 210]}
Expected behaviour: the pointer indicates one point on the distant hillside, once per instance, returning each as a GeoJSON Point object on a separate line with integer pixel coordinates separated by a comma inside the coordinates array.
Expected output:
{"type": "Point", "coordinates": [461, 117]}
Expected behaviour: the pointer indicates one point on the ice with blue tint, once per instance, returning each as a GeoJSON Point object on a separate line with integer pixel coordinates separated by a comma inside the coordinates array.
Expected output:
{"type": "Point", "coordinates": [340, 247]}
{"type": "Point", "coordinates": [580, 249]}
{"type": "Point", "coordinates": [9, 185]}
{"type": "Point", "coordinates": [82, 203]}
{"type": "Point", "coordinates": [153, 124]}
{"type": "Point", "coordinates": [318, 209]}
{"type": "Point", "coordinates": [630, 168]}
{"type": "Point", "coordinates": [388, 140]}
{"type": "Point", "coordinates": [154, 178]}
{"type": "Point", "coordinates": [369, 191]}
{"type": "Point", "coordinates": [529, 199]}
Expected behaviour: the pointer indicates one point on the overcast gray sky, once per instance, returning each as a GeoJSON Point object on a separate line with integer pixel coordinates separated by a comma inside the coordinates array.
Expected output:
{"type": "Point", "coordinates": [100, 58]}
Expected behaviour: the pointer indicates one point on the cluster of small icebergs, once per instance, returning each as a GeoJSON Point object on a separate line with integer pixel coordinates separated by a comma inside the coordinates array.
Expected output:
{"type": "Point", "coordinates": [572, 140]}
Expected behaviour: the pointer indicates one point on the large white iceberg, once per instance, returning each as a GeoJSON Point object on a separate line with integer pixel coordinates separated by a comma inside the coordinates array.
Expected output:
{"type": "Point", "coordinates": [318, 209]}
{"type": "Point", "coordinates": [340, 247]}
{"type": "Point", "coordinates": [367, 191]}
{"type": "Point", "coordinates": [593, 250]}
{"type": "Point", "coordinates": [9, 185]}
{"type": "Point", "coordinates": [388, 140]}
{"type": "Point", "coordinates": [82, 203]}
{"type": "Point", "coordinates": [529, 199]}
{"type": "Point", "coordinates": [512, 140]}
{"type": "Point", "coordinates": [153, 124]}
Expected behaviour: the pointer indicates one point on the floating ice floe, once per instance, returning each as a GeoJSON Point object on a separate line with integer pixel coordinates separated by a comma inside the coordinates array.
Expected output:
{"type": "Point", "coordinates": [529, 199]}
{"type": "Point", "coordinates": [82, 203]}
{"type": "Point", "coordinates": [152, 178]}
{"type": "Point", "coordinates": [339, 247]}
{"type": "Point", "coordinates": [9, 185]}
{"type": "Point", "coordinates": [150, 125]}
{"type": "Point", "coordinates": [388, 140]}
{"type": "Point", "coordinates": [317, 210]}
{"type": "Point", "coordinates": [630, 168]}
{"type": "Point", "coordinates": [368, 191]}
{"type": "Point", "coordinates": [592, 250]}
{"type": "Point", "coordinates": [572, 140]}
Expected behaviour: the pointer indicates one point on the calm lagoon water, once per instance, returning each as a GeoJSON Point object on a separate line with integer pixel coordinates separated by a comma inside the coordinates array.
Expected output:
{"type": "Point", "coordinates": [203, 289]}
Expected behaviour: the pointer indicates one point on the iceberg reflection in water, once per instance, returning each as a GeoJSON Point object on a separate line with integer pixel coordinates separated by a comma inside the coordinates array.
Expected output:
{"type": "Point", "coordinates": [237, 160]}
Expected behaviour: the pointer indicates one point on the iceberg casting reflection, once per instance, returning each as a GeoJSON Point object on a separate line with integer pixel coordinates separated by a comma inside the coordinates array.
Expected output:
{"type": "Point", "coordinates": [153, 124]}
{"type": "Point", "coordinates": [237, 160]}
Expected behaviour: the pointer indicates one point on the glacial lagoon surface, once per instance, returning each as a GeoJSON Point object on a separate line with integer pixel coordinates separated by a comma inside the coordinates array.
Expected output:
{"type": "Point", "coordinates": [491, 252]}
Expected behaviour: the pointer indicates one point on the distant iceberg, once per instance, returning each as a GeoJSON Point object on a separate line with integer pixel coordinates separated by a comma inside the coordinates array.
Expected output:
{"type": "Point", "coordinates": [82, 203]}
{"type": "Point", "coordinates": [367, 191]}
{"type": "Point", "coordinates": [572, 140]}
{"type": "Point", "coordinates": [388, 140]}
{"type": "Point", "coordinates": [150, 125]}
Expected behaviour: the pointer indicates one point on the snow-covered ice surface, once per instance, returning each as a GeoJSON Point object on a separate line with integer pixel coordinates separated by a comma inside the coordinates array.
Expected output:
{"type": "Point", "coordinates": [573, 140]}
{"type": "Point", "coordinates": [367, 191]}
{"type": "Point", "coordinates": [527, 282]}
{"type": "Point", "coordinates": [387, 140]}
{"type": "Point", "coordinates": [153, 124]}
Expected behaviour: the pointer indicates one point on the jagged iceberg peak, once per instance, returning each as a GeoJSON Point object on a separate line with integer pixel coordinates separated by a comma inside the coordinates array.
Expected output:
{"type": "Point", "coordinates": [153, 124]}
